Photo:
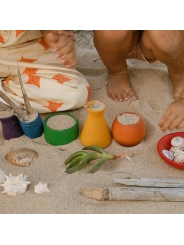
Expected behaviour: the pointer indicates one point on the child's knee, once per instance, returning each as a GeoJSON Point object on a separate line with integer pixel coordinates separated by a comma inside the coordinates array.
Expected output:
{"type": "Point", "coordinates": [112, 36]}
{"type": "Point", "coordinates": [166, 41]}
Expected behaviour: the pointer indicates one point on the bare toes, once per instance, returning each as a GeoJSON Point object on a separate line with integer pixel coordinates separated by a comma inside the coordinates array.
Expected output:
{"type": "Point", "coordinates": [132, 95]}
{"type": "Point", "coordinates": [112, 96]}
{"type": "Point", "coordinates": [133, 98]}
{"type": "Point", "coordinates": [122, 96]}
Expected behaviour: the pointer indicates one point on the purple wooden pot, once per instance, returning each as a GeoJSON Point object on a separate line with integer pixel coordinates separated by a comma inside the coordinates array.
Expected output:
{"type": "Point", "coordinates": [11, 127]}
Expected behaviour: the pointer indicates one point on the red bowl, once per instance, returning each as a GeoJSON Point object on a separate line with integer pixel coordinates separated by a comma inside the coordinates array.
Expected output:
{"type": "Point", "coordinates": [165, 144]}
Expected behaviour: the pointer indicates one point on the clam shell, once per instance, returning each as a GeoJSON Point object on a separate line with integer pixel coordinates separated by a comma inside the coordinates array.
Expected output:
{"type": "Point", "coordinates": [22, 157]}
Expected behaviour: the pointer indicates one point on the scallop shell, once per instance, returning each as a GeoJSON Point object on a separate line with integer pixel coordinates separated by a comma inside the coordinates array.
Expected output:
{"type": "Point", "coordinates": [178, 142]}
{"type": "Point", "coordinates": [168, 154]}
{"type": "Point", "coordinates": [15, 184]}
{"type": "Point", "coordinates": [2, 176]}
{"type": "Point", "coordinates": [41, 188]}
{"type": "Point", "coordinates": [22, 157]}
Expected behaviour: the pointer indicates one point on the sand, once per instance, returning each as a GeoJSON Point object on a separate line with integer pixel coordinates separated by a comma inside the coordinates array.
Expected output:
{"type": "Point", "coordinates": [61, 122]}
{"type": "Point", "coordinates": [96, 105]}
{"type": "Point", "coordinates": [154, 90]}
{"type": "Point", "coordinates": [6, 113]}
{"type": "Point", "coordinates": [128, 119]}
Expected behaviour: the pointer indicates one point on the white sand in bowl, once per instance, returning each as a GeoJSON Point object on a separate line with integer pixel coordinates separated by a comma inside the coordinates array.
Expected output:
{"type": "Point", "coordinates": [97, 105]}
{"type": "Point", "coordinates": [61, 122]}
{"type": "Point", "coordinates": [128, 119]}
{"type": "Point", "coordinates": [33, 116]}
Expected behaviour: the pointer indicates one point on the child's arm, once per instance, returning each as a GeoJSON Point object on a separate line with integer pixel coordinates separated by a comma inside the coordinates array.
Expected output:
{"type": "Point", "coordinates": [62, 45]}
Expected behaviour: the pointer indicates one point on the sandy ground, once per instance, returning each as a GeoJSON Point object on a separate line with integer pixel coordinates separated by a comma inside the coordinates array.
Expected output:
{"type": "Point", "coordinates": [154, 89]}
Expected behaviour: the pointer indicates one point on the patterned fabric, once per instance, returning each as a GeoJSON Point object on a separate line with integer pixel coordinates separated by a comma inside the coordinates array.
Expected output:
{"type": "Point", "coordinates": [137, 54]}
{"type": "Point", "coordinates": [49, 85]}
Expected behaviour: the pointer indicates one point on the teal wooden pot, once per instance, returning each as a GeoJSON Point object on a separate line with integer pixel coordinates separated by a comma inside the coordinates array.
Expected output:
{"type": "Point", "coordinates": [33, 129]}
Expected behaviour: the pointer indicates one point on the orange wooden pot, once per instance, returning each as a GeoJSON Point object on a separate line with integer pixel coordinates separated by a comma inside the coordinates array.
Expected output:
{"type": "Point", "coordinates": [128, 129]}
{"type": "Point", "coordinates": [95, 130]}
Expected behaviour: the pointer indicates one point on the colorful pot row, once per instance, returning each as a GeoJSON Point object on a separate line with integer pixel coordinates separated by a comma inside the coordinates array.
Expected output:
{"type": "Point", "coordinates": [128, 128]}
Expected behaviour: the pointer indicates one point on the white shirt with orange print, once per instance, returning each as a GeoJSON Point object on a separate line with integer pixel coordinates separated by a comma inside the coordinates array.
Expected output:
{"type": "Point", "coordinates": [50, 86]}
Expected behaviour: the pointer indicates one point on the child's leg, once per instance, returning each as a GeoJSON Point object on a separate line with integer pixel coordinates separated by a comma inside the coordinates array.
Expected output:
{"type": "Point", "coordinates": [113, 47]}
{"type": "Point", "coordinates": [167, 47]}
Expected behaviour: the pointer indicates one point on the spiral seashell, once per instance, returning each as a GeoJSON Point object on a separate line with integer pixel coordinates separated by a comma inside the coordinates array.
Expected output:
{"type": "Point", "coordinates": [15, 184]}
{"type": "Point", "coordinates": [168, 154]}
{"type": "Point", "coordinates": [41, 188]}
{"type": "Point", "coordinates": [178, 142]}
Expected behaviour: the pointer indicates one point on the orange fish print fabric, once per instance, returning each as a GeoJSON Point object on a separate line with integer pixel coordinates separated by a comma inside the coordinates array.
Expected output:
{"type": "Point", "coordinates": [49, 85]}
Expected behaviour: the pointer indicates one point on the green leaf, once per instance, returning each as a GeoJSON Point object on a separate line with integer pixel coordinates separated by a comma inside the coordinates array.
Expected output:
{"type": "Point", "coordinates": [89, 157]}
{"type": "Point", "coordinates": [95, 148]}
{"type": "Point", "coordinates": [75, 161]}
{"type": "Point", "coordinates": [98, 165]}
{"type": "Point", "coordinates": [74, 155]}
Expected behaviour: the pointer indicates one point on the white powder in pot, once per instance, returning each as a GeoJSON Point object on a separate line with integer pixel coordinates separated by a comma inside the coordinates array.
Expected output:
{"type": "Point", "coordinates": [128, 119]}
{"type": "Point", "coordinates": [61, 122]}
{"type": "Point", "coordinates": [97, 105]}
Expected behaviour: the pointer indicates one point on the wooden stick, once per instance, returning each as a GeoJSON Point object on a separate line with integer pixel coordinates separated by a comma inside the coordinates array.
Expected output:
{"type": "Point", "coordinates": [26, 100]}
{"type": "Point", "coordinates": [134, 194]}
{"type": "Point", "coordinates": [19, 111]}
{"type": "Point", "coordinates": [154, 182]}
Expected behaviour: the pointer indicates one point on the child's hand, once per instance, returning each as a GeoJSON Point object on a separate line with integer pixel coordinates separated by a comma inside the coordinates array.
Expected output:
{"type": "Point", "coordinates": [173, 117]}
{"type": "Point", "coordinates": [62, 45]}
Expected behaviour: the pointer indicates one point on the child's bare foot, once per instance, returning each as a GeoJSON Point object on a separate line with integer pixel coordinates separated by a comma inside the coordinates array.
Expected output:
{"type": "Point", "coordinates": [178, 86]}
{"type": "Point", "coordinates": [118, 87]}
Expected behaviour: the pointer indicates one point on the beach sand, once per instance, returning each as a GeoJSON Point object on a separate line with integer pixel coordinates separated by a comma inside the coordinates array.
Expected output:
{"type": "Point", "coordinates": [154, 90]}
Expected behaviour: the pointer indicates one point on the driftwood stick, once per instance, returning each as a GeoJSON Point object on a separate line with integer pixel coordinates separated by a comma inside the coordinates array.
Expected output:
{"type": "Point", "coordinates": [134, 194]}
{"type": "Point", "coordinates": [152, 182]}
{"type": "Point", "coordinates": [19, 111]}
{"type": "Point", "coordinates": [26, 100]}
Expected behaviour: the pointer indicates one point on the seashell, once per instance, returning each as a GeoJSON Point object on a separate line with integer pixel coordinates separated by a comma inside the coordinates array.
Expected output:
{"type": "Point", "coordinates": [178, 142]}
{"type": "Point", "coordinates": [174, 149]}
{"type": "Point", "coordinates": [179, 158]}
{"type": "Point", "coordinates": [22, 157]}
{"type": "Point", "coordinates": [178, 155]}
{"type": "Point", "coordinates": [41, 188]}
{"type": "Point", "coordinates": [168, 154]}
{"type": "Point", "coordinates": [15, 184]}
{"type": "Point", "coordinates": [2, 176]}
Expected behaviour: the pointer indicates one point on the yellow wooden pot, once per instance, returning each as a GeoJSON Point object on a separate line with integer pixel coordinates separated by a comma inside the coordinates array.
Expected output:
{"type": "Point", "coordinates": [95, 130]}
